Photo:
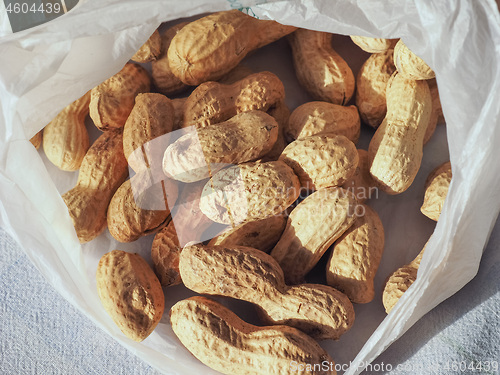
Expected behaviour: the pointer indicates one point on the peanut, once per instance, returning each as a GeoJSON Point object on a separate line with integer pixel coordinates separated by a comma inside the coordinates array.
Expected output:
{"type": "Point", "coordinates": [399, 282]}
{"type": "Point", "coordinates": [260, 234]}
{"type": "Point", "coordinates": [321, 160]}
{"type": "Point", "coordinates": [225, 343]}
{"type": "Point", "coordinates": [396, 148]}
{"type": "Point", "coordinates": [437, 111]}
{"type": "Point", "coordinates": [66, 139]}
{"type": "Point", "coordinates": [36, 140]}
{"type": "Point", "coordinates": [236, 74]}
{"type": "Point", "coordinates": [361, 183]}
{"type": "Point", "coordinates": [355, 258]}
{"type": "Point", "coordinates": [137, 209]}
{"type": "Point", "coordinates": [249, 191]}
{"type": "Point", "coordinates": [190, 223]}
{"type": "Point", "coordinates": [103, 169]}
{"type": "Point", "coordinates": [130, 293]}
{"type": "Point", "coordinates": [112, 101]}
{"type": "Point", "coordinates": [213, 102]}
{"type": "Point", "coordinates": [321, 71]}
{"type": "Point", "coordinates": [410, 65]}
{"type": "Point", "coordinates": [371, 84]}
{"type": "Point", "coordinates": [150, 50]}
{"type": "Point", "coordinates": [436, 189]}
{"type": "Point", "coordinates": [202, 152]}
{"type": "Point", "coordinates": [318, 118]}
{"type": "Point", "coordinates": [165, 81]}
{"type": "Point", "coordinates": [152, 116]}
{"type": "Point", "coordinates": [281, 114]}
{"type": "Point", "coordinates": [312, 227]}
{"type": "Point", "coordinates": [373, 45]}
{"type": "Point", "coordinates": [253, 276]}
{"type": "Point", "coordinates": [206, 49]}
{"type": "Point", "coordinates": [178, 106]}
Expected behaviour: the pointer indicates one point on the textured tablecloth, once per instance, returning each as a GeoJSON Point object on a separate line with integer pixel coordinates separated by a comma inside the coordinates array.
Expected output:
{"type": "Point", "coordinates": [41, 333]}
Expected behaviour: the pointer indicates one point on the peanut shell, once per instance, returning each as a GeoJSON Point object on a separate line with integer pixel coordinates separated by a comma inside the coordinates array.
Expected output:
{"type": "Point", "coordinates": [112, 101]}
{"type": "Point", "coordinates": [373, 45]}
{"type": "Point", "coordinates": [130, 293]}
{"type": "Point", "coordinates": [321, 160]}
{"type": "Point", "coordinates": [410, 65]}
{"type": "Point", "coordinates": [150, 50]}
{"type": "Point", "coordinates": [312, 227]}
{"type": "Point", "coordinates": [355, 257]}
{"type": "Point", "coordinates": [249, 191]}
{"type": "Point", "coordinates": [253, 276]}
{"type": "Point", "coordinates": [225, 343]}
{"type": "Point", "coordinates": [436, 189]}
{"type": "Point", "coordinates": [319, 118]}
{"type": "Point", "coordinates": [202, 152]}
{"type": "Point", "coordinates": [321, 71]}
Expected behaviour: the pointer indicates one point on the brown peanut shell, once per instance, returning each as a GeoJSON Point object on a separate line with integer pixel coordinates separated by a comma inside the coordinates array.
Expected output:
{"type": "Point", "coordinates": [112, 101]}
{"type": "Point", "coordinates": [149, 51]}
{"type": "Point", "coordinates": [321, 160]}
{"type": "Point", "coordinates": [410, 65]}
{"type": "Point", "coordinates": [355, 257]}
{"type": "Point", "coordinates": [206, 49]}
{"type": "Point", "coordinates": [249, 191]}
{"type": "Point", "coordinates": [130, 293]}
{"type": "Point", "coordinates": [249, 274]}
{"type": "Point", "coordinates": [436, 189]}
{"type": "Point", "coordinates": [312, 227]}
{"type": "Point", "coordinates": [202, 152]}
{"type": "Point", "coordinates": [319, 118]}
{"type": "Point", "coordinates": [225, 343]}
{"type": "Point", "coordinates": [103, 169]}
{"type": "Point", "coordinates": [321, 71]}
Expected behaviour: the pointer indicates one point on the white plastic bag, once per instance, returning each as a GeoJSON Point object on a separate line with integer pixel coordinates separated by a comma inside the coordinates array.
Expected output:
{"type": "Point", "coordinates": [45, 68]}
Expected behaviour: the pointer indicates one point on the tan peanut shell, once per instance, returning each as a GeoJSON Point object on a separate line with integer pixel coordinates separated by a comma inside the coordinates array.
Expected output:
{"type": "Point", "coordinates": [206, 49]}
{"type": "Point", "coordinates": [312, 227]}
{"type": "Point", "coordinates": [225, 343]}
{"type": "Point", "coordinates": [112, 101]}
{"type": "Point", "coordinates": [396, 148]}
{"type": "Point", "coordinates": [165, 253]}
{"type": "Point", "coordinates": [436, 189]}
{"type": "Point", "coordinates": [321, 160]}
{"type": "Point", "coordinates": [202, 152]}
{"type": "Point", "coordinates": [253, 276]}
{"type": "Point", "coordinates": [371, 84]}
{"type": "Point", "coordinates": [437, 109]}
{"type": "Point", "coordinates": [129, 213]}
{"type": "Point", "coordinates": [373, 45]}
{"type": "Point", "coordinates": [355, 257]}
{"type": "Point", "coordinates": [410, 65]}
{"type": "Point", "coordinates": [321, 71]}
{"type": "Point", "coordinates": [249, 191]}
{"type": "Point", "coordinates": [281, 114]}
{"type": "Point", "coordinates": [103, 169]}
{"type": "Point", "coordinates": [190, 222]}
{"type": "Point", "coordinates": [318, 118]}
{"type": "Point", "coordinates": [361, 183]}
{"type": "Point", "coordinates": [36, 140]}
{"type": "Point", "coordinates": [236, 74]}
{"type": "Point", "coordinates": [152, 116]}
{"type": "Point", "coordinates": [399, 282]}
{"type": "Point", "coordinates": [66, 139]}
{"type": "Point", "coordinates": [260, 234]}
{"type": "Point", "coordinates": [214, 102]}
{"type": "Point", "coordinates": [164, 80]}
{"type": "Point", "coordinates": [150, 50]}
{"type": "Point", "coordinates": [178, 106]}
{"type": "Point", "coordinates": [130, 293]}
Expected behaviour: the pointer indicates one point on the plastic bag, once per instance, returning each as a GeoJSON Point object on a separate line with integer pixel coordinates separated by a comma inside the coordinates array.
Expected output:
{"type": "Point", "coordinates": [45, 68]}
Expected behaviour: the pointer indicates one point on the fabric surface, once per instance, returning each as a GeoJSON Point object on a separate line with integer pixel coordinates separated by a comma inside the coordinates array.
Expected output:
{"type": "Point", "coordinates": [41, 333]}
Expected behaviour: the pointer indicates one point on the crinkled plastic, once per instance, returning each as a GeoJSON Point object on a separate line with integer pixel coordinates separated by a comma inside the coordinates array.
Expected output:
{"type": "Point", "coordinates": [45, 68]}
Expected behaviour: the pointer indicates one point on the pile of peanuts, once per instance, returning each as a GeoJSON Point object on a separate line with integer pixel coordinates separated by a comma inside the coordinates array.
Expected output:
{"type": "Point", "coordinates": [286, 187]}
